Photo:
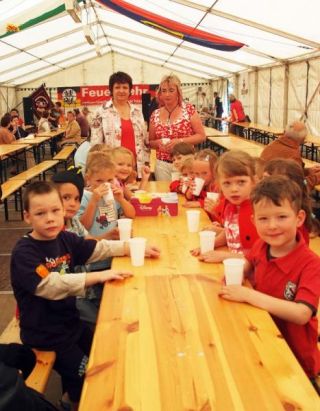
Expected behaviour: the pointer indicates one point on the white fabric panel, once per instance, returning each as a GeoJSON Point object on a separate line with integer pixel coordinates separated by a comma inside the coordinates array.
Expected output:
{"type": "Point", "coordinates": [23, 70]}
{"type": "Point", "coordinates": [297, 90]}
{"type": "Point", "coordinates": [69, 54]}
{"type": "Point", "coordinates": [58, 44]}
{"type": "Point", "coordinates": [277, 97]}
{"type": "Point", "coordinates": [243, 91]}
{"type": "Point", "coordinates": [43, 73]}
{"type": "Point", "coordinates": [11, 62]}
{"type": "Point", "coordinates": [7, 99]}
{"type": "Point", "coordinates": [251, 92]}
{"type": "Point", "coordinates": [313, 120]}
{"type": "Point", "coordinates": [263, 96]}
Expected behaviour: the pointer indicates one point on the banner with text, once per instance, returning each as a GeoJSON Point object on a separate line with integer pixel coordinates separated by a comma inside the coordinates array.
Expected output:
{"type": "Point", "coordinates": [96, 95]}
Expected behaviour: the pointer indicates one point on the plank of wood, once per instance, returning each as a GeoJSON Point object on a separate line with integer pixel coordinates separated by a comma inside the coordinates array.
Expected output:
{"type": "Point", "coordinates": [65, 152]}
{"type": "Point", "coordinates": [11, 186]}
{"type": "Point", "coordinates": [35, 170]}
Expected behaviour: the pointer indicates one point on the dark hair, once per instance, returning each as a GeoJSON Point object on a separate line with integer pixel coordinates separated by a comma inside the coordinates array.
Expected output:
{"type": "Point", "coordinates": [76, 111]}
{"type": "Point", "coordinates": [14, 109]}
{"type": "Point", "coordinates": [235, 163]}
{"type": "Point", "coordinates": [37, 188]}
{"type": "Point", "coordinates": [294, 172]}
{"type": "Point", "coordinates": [119, 77]}
{"type": "Point", "coordinates": [183, 149]}
{"type": "Point", "coordinates": [71, 112]}
{"type": "Point", "coordinates": [72, 176]}
{"type": "Point", "coordinates": [5, 120]}
{"type": "Point", "coordinates": [278, 189]}
{"type": "Point", "coordinates": [58, 103]}
{"type": "Point", "coordinates": [45, 114]}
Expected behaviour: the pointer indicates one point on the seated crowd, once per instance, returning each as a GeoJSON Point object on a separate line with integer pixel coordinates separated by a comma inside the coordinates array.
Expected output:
{"type": "Point", "coordinates": [261, 213]}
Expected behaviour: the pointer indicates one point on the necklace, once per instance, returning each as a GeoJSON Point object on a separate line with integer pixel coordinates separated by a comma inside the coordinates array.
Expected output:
{"type": "Point", "coordinates": [170, 112]}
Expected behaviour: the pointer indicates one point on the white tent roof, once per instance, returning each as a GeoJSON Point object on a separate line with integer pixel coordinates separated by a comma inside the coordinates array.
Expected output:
{"type": "Point", "coordinates": [273, 31]}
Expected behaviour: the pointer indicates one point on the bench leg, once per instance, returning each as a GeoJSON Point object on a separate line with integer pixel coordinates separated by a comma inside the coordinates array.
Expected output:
{"type": "Point", "coordinates": [6, 213]}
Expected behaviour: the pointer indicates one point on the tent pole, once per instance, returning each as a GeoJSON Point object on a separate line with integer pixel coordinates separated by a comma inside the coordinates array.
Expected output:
{"type": "Point", "coordinates": [285, 94]}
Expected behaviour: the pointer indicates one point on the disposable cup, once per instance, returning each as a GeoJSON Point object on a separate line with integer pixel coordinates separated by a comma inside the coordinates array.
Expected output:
{"type": "Point", "coordinates": [233, 270]}
{"type": "Point", "coordinates": [184, 184]}
{"type": "Point", "coordinates": [109, 195]}
{"type": "Point", "coordinates": [137, 247]}
{"type": "Point", "coordinates": [213, 196]}
{"type": "Point", "coordinates": [199, 182]}
{"type": "Point", "coordinates": [207, 239]}
{"type": "Point", "coordinates": [175, 175]}
{"type": "Point", "coordinates": [193, 218]}
{"type": "Point", "coordinates": [125, 225]}
{"type": "Point", "coordinates": [165, 140]}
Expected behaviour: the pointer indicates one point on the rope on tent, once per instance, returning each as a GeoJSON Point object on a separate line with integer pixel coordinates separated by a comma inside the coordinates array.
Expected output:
{"type": "Point", "coordinates": [270, 96]}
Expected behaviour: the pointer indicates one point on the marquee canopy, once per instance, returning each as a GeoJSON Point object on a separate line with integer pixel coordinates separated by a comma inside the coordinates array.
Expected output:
{"type": "Point", "coordinates": [260, 33]}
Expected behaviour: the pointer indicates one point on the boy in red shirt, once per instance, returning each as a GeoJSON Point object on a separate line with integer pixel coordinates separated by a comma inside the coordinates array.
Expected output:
{"type": "Point", "coordinates": [286, 276]}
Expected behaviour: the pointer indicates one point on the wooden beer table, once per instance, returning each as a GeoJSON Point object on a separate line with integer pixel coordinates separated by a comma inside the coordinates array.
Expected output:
{"type": "Point", "coordinates": [166, 341]}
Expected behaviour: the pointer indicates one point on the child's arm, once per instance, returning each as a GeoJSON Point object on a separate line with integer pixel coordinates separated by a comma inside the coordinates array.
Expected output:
{"type": "Point", "coordinates": [192, 204]}
{"type": "Point", "coordinates": [89, 212]}
{"type": "Point", "coordinates": [297, 313]}
{"type": "Point", "coordinates": [128, 209]}
{"type": "Point", "coordinates": [145, 175]}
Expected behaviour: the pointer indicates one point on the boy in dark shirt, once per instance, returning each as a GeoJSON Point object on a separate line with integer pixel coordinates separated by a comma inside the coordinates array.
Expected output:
{"type": "Point", "coordinates": [49, 319]}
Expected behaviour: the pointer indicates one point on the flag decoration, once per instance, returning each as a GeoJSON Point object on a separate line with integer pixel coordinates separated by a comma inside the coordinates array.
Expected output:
{"type": "Point", "coordinates": [171, 27]}
{"type": "Point", "coordinates": [40, 101]}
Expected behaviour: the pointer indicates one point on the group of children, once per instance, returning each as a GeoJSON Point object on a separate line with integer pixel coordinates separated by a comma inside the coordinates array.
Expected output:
{"type": "Point", "coordinates": [263, 215]}
{"type": "Point", "coordinates": [74, 232]}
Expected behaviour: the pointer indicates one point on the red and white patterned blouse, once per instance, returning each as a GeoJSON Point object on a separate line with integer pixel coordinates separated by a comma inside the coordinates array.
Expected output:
{"type": "Point", "coordinates": [178, 129]}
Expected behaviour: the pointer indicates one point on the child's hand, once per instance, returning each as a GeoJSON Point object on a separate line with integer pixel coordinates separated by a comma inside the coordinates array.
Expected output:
{"type": "Point", "coordinates": [112, 234]}
{"type": "Point", "coordinates": [191, 204]}
{"type": "Point", "coordinates": [212, 256]}
{"type": "Point", "coordinates": [99, 192]}
{"type": "Point", "coordinates": [195, 252]}
{"type": "Point", "coordinates": [210, 205]}
{"type": "Point", "coordinates": [235, 293]}
{"type": "Point", "coordinates": [145, 173]}
{"type": "Point", "coordinates": [215, 226]}
{"type": "Point", "coordinates": [152, 251]}
{"type": "Point", "coordinates": [110, 275]}
{"type": "Point", "coordinates": [117, 192]}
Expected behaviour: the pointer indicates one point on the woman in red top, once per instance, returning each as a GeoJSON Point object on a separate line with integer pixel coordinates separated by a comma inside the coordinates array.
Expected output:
{"type": "Point", "coordinates": [236, 110]}
{"type": "Point", "coordinates": [174, 122]}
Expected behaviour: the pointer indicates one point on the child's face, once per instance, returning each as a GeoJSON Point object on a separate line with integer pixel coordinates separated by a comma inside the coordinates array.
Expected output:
{"type": "Point", "coordinates": [236, 189]}
{"type": "Point", "coordinates": [45, 215]}
{"type": "Point", "coordinates": [124, 166]}
{"type": "Point", "coordinates": [202, 169]}
{"type": "Point", "coordinates": [70, 199]}
{"type": "Point", "coordinates": [277, 225]}
{"type": "Point", "coordinates": [187, 172]}
{"type": "Point", "coordinates": [95, 179]}
{"type": "Point", "coordinates": [178, 160]}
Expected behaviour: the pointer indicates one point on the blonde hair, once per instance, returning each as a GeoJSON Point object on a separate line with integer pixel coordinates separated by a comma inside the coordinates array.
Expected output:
{"type": "Point", "coordinates": [187, 164]}
{"type": "Point", "coordinates": [236, 163]}
{"type": "Point", "coordinates": [98, 160]}
{"type": "Point", "coordinates": [171, 79]}
{"type": "Point", "coordinates": [100, 147]}
{"type": "Point", "coordinates": [123, 151]}
{"type": "Point", "coordinates": [207, 155]}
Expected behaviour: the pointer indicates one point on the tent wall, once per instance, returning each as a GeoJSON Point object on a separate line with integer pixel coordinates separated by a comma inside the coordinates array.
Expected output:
{"type": "Point", "coordinates": [7, 99]}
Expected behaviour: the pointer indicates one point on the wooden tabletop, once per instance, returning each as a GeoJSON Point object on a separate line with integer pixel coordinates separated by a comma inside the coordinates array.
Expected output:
{"type": "Point", "coordinates": [210, 132]}
{"type": "Point", "coordinates": [261, 127]}
{"type": "Point", "coordinates": [53, 133]}
{"type": "Point", "coordinates": [32, 141]}
{"type": "Point", "coordinates": [165, 341]}
{"type": "Point", "coordinates": [6, 149]}
{"type": "Point", "coordinates": [238, 143]}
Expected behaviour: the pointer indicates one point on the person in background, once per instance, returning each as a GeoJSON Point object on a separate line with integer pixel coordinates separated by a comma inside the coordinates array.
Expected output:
{"type": "Point", "coordinates": [15, 113]}
{"type": "Point", "coordinates": [218, 109]}
{"type": "Point", "coordinates": [6, 136]}
{"type": "Point", "coordinates": [81, 117]}
{"type": "Point", "coordinates": [72, 133]}
{"type": "Point", "coordinates": [236, 113]}
{"type": "Point", "coordinates": [44, 125]}
{"type": "Point", "coordinates": [180, 153]}
{"type": "Point", "coordinates": [17, 130]}
{"type": "Point", "coordinates": [174, 122]}
{"type": "Point", "coordinates": [119, 123]}
{"type": "Point", "coordinates": [289, 146]}
{"type": "Point", "coordinates": [285, 272]}
{"type": "Point", "coordinates": [57, 117]}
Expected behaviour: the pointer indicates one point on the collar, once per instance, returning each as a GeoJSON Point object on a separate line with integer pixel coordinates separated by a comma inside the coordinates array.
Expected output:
{"type": "Point", "coordinates": [109, 104]}
{"type": "Point", "coordinates": [289, 142]}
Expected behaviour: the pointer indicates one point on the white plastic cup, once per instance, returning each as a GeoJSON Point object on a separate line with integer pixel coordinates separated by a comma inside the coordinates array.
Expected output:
{"type": "Point", "coordinates": [233, 271]}
{"type": "Point", "coordinates": [199, 182]}
{"type": "Point", "coordinates": [137, 247]}
{"type": "Point", "coordinates": [184, 184]}
{"type": "Point", "coordinates": [175, 175]}
{"type": "Point", "coordinates": [193, 218]}
{"type": "Point", "coordinates": [109, 196]}
{"type": "Point", "coordinates": [207, 239]}
{"type": "Point", "coordinates": [213, 196]}
{"type": "Point", "coordinates": [125, 225]}
{"type": "Point", "coordinates": [165, 140]}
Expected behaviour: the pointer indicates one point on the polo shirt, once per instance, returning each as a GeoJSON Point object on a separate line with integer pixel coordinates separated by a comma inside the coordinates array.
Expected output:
{"type": "Point", "coordinates": [294, 277]}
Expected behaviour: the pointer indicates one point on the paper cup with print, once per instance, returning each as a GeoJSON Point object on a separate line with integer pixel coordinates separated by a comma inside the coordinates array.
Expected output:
{"type": "Point", "coordinates": [207, 239]}
{"type": "Point", "coordinates": [198, 182]}
{"type": "Point", "coordinates": [137, 247]}
{"type": "Point", "coordinates": [184, 184]}
{"type": "Point", "coordinates": [109, 196]}
{"type": "Point", "coordinates": [125, 226]}
{"type": "Point", "coordinates": [213, 196]}
{"type": "Point", "coordinates": [175, 175]}
{"type": "Point", "coordinates": [233, 271]}
{"type": "Point", "coordinates": [165, 140]}
{"type": "Point", "coordinates": [193, 219]}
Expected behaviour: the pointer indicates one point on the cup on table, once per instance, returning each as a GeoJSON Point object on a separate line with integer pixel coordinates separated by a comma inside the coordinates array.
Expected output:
{"type": "Point", "coordinates": [137, 246]}
{"type": "Point", "coordinates": [193, 219]}
{"type": "Point", "coordinates": [125, 225]}
{"type": "Point", "coordinates": [109, 195]}
{"type": "Point", "coordinates": [175, 175]}
{"type": "Point", "coordinates": [213, 196]}
{"type": "Point", "coordinates": [207, 239]}
{"type": "Point", "coordinates": [165, 140]}
{"type": "Point", "coordinates": [199, 182]}
{"type": "Point", "coordinates": [233, 271]}
{"type": "Point", "coordinates": [184, 184]}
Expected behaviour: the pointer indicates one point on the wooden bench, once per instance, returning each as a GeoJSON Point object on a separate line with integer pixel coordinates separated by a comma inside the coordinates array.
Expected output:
{"type": "Point", "coordinates": [39, 376]}
{"type": "Point", "coordinates": [64, 154]}
{"type": "Point", "coordinates": [38, 170]}
{"type": "Point", "coordinates": [7, 189]}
